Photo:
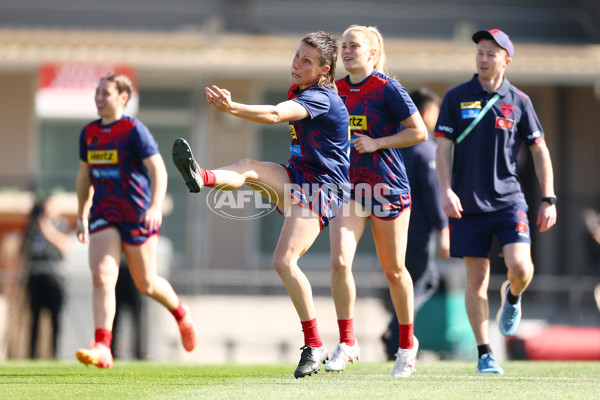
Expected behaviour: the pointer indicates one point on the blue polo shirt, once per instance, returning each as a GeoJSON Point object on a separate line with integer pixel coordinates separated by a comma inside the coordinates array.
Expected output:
{"type": "Point", "coordinates": [484, 170]}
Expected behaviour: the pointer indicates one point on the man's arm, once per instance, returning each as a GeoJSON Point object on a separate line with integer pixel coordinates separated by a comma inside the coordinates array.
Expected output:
{"type": "Point", "coordinates": [443, 161]}
{"type": "Point", "coordinates": [546, 217]}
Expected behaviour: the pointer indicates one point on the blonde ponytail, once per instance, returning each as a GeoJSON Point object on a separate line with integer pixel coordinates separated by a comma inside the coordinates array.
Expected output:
{"type": "Point", "coordinates": [375, 40]}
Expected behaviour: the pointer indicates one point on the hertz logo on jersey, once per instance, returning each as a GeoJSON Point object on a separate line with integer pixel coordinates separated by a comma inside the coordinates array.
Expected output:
{"type": "Point", "coordinates": [358, 122]}
{"type": "Point", "coordinates": [470, 104]}
{"type": "Point", "coordinates": [109, 157]}
{"type": "Point", "coordinates": [470, 109]}
{"type": "Point", "coordinates": [293, 132]}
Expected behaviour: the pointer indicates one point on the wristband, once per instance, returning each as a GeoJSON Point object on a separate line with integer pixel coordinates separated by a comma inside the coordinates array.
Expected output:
{"type": "Point", "coordinates": [550, 200]}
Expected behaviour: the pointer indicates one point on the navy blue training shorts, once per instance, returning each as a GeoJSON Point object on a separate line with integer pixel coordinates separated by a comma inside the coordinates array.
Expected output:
{"type": "Point", "coordinates": [325, 200]}
{"type": "Point", "coordinates": [133, 233]}
{"type": "Point", "coordinates": [383, 206]}
{"type": "Point", "coordinates": [471, 235]}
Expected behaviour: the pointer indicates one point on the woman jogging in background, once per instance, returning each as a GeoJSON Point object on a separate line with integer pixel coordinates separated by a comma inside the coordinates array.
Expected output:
{"type": "Point", "coordinates": [308, 189]}
{"type": "Point", "coordinates": [383, 119]}
{"type": "Point", "coordinates": [121, 186]}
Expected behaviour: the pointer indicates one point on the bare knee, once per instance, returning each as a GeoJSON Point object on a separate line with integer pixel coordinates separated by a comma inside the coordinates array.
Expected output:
{"type": "Point", "coordinates": [282, 265]}
{"type": "Point", "coordinates": [394, 274]}
{"type": "Point", "coordinates": [104, 281]}
{"type": "Point", "coordinates": [146, 288]}
{"type": "Point", "coordinates": [244, 163]}
{"type": "Point", "coordinates": [521, 271]}
{"type": "Point", "coordinates": [339, 265]}
{"type": "Point", "coordinates": [246, 167]}
{"type": "Point", "coordinates": [104, 275]}
{"type": "Point", "coordinates": [519, 264]}
{"type": "Point", "coordinates": [477, 284]}
{"type": "Point", "coordinates": [478, 279]}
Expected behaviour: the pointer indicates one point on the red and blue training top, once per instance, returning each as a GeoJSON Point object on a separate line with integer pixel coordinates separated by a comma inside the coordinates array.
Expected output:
{"type": "Point", "coordinates": [376, 107]}
{"type": "Point", "coordinates": [114, 154]}
{"type": "Point", "coordinates": [320, 143]}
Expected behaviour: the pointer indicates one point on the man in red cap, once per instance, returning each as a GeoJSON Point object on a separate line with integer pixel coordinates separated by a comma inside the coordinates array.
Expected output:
{"type": "Point", "coordinates": [481, 126]}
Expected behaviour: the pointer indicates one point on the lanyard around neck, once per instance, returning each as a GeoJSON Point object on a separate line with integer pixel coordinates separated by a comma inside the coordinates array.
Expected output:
{"type": "Point", "coordinates": [479, 117]}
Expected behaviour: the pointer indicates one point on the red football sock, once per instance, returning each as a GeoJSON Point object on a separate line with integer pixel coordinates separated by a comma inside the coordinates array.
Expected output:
{"type": "Point", "coordinates": [178, 312]}
{"type": "Point", "coordinates": [407, 336]}
{"type": "Point", "coordinates": [311, 333]}
{"type": "Point", "coordinates": [346, 331]}
{"type": "Point", "coordinates": [103, 336]}
{"type": "Point", "coordinates": [208, 177]}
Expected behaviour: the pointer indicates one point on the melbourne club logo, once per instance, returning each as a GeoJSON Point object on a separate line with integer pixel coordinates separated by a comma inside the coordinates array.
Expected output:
{"type": "Point", "coordinates": [507, 110]}
{"type": "Point", "coordinates": [522, 225]}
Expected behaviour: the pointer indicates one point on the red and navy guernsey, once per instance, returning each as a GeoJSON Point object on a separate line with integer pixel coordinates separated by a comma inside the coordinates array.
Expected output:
{"type": "Point", "coordinates": [376, 106]}
{"type": "Point", "coordinates": [320, 142]}
{"type": "Point", "coordinates": [114, 154]}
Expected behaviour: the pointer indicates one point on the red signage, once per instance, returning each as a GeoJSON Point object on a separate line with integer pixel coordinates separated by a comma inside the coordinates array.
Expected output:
{"type": "Point", "coordinates": [67, 90]}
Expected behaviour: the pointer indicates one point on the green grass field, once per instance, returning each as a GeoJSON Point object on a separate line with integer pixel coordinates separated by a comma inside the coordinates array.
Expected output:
{"type": "Point", "coordinates": [433, 380]}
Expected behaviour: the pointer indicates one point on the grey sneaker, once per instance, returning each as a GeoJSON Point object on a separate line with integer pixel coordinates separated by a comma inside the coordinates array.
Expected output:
{"type": "Point", "coordinates": [405, 361]}
{"type": "Point", "coordinates": [509, 315]}
{"type": "Point", "coordinates": [342, 354]}
{"type": "Point", "coordinates": [310, 360]}
{"type": "Point", "coordinates": [187, 166]}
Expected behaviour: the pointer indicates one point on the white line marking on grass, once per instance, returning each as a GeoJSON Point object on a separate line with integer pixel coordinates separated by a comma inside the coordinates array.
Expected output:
{"type": "Point", "coordinates": [495, 376]}
{"type": "Point", "coordinates": [482, 376]}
